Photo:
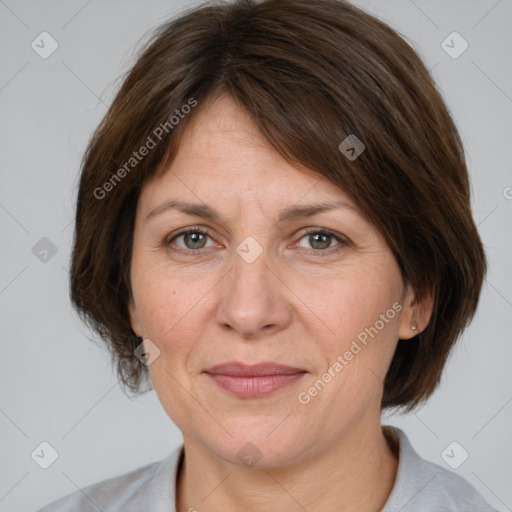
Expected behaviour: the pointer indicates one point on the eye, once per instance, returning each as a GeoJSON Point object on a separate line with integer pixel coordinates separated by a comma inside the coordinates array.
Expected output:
{"type": "Point", "coordinates": [322, 239]}
{"type": "Point", "coordinates": [193, 238]}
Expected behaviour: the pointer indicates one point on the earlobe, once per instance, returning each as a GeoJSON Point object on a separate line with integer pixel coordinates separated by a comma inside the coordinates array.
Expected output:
{"type": "Point", "coordinates": [133, 319]}
{"type": "Point", "coordinates": [416, 315]}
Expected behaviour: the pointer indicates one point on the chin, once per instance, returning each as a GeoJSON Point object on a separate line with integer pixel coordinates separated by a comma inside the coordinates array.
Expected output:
{"type": "Point", "coordinates": [258, 442]}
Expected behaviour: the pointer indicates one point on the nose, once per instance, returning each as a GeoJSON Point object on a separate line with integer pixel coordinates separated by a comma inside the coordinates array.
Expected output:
{"type": "Point", "coordinates": [253, 298]}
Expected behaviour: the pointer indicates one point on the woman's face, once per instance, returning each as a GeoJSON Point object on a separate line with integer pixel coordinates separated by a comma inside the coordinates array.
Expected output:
{"type": "Point", "coordinates": [257, 289]}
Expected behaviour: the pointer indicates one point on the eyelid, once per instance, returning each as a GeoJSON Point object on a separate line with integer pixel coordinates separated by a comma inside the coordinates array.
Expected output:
{"type": "Point", "coordinates": [325, 231]}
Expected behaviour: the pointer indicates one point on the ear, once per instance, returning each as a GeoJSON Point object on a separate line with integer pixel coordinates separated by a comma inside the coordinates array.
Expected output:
{"type": "Point", "coordinates": [415, 314]}
{"type": "Point", "coordinates": [134, 319]}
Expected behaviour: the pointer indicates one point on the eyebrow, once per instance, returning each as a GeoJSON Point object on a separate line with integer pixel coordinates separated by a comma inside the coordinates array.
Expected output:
{"type": "Point", "coordinates": [287, 214]}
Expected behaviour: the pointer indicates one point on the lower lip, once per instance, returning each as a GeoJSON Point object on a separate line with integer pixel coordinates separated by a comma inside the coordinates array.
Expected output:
{"type": "Point", "coordinates": [253, 387]}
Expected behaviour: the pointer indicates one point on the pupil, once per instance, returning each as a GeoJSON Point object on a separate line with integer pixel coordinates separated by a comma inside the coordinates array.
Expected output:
{"type": "Point", "coordinates": [196, 238]}
{"type": "Point", "coordinates": [317, 238]}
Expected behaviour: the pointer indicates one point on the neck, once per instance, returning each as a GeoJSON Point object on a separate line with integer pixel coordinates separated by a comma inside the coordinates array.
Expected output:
{"type": "Point", "coordinates": [357, 473]}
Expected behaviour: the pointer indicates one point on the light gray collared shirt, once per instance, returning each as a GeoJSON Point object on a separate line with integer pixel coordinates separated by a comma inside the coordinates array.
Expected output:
{"type": "Point", "coordinates": [420, 486]}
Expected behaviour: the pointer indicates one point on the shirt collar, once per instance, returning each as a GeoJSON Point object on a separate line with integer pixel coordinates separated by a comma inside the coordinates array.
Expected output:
{"type": "Point", "coordinates": [161, 490]}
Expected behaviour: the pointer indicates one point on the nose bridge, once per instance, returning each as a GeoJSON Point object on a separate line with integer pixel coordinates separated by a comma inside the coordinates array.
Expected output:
{"type": "Point", "coordinates": [252, 297]}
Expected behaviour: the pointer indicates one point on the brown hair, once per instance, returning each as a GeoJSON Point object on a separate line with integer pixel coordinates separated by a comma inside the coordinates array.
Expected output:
{"type": "Point", "coordinates": [309, 72]}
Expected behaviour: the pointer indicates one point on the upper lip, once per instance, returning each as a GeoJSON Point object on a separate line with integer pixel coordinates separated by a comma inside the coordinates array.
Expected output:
{"type": "Point", "coordinates": [244, 370]}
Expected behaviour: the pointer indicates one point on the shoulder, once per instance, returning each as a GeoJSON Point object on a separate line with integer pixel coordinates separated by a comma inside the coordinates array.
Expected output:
{"type": "Point", "coordinates": [106, 495]}
{"type": "Point", "coordinates": [127, 492]}
{"type": "Point", "coordinates": [446, 491]}
{"type": "Point", "coordinates": [423, 486]}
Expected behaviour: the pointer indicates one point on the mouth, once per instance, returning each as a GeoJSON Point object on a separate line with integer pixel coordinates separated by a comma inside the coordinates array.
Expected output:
{"type": "Point", "coordinates": [252, 381]}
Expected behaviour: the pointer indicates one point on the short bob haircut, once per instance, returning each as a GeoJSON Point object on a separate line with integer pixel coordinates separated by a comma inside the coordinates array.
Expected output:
{"type": "Point", "coordinates": [309, 73]}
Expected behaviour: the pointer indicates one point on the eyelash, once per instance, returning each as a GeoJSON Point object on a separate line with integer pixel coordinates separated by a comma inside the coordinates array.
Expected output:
{"type": "Point", "coordinates": [342, 242]}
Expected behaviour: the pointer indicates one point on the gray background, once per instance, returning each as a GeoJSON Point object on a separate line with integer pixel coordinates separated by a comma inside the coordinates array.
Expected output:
{"type": "Point", "coordinates": [58, 387]}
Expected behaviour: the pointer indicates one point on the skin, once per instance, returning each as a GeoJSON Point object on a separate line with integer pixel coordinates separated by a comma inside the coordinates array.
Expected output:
{"type": "Point", "coordinates": [301, 303]}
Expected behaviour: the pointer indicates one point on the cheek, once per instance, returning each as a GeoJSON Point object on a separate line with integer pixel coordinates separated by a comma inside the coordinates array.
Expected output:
{"type": "Point", "coordinates": [347, 303]}
{"type": "Point", "coordinates": [168, 304]}
{"type": "Point", "coordinates": [359, 312]}
{"type": "Point", "coordinates": [359, 332]}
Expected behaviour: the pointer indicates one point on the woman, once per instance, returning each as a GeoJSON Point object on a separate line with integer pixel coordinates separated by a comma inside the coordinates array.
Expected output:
{"type": "Point", "coordinates": [273, 227]}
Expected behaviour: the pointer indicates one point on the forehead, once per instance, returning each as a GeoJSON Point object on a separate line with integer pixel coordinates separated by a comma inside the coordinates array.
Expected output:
{"type": "Point", "coordinates": [224, 158]}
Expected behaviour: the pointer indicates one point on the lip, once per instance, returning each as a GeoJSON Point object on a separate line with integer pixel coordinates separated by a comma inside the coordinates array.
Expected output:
{"type": "Point", "coordinates": [252, 381]}
{"type": "Point", "coordinates": [236, 369]}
